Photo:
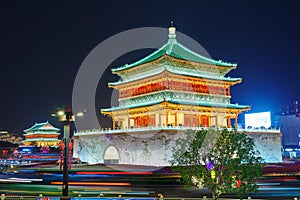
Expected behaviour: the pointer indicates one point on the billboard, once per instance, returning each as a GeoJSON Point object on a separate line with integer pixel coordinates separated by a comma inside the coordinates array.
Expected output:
{"type": "Point", "coordinates": [257, 120]}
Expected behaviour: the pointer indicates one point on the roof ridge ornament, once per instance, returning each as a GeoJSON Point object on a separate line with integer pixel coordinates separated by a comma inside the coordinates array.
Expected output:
{"type": "Point", "coordinates": [172, 31]}
{"type": "Point", "coordinates": [172, 38]}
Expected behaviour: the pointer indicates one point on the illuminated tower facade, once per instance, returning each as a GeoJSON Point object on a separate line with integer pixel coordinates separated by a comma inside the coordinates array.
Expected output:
{"type": "Point", "coordinates": [42, 134]}
{"type": "Point", "coordinates": [162, 96]}
{"type": "Point", "coordinates": [174, 86]}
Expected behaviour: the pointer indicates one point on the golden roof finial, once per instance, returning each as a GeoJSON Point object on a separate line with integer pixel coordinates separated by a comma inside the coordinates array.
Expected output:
{"type": "Point", "coordinates": [172, 30]}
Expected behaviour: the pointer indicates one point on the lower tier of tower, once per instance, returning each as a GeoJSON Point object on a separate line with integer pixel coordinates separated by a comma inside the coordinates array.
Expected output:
{"type": "Point", "coordinates": [174, 119]}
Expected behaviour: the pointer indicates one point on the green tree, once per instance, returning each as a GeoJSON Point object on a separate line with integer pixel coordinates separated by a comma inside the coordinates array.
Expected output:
{"type": "Point", "coordinates": [220, 160]}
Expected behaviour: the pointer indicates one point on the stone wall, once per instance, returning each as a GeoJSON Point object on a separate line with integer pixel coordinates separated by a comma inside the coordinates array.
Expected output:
{"type": "Point", "coordinates": [155, 147]}
{"type": "Point", "coordinates": [269, 146]}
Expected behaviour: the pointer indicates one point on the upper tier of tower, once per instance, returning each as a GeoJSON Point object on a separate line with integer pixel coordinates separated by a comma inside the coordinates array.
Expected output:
{"type": "Point", "coordinates": [176, 57]}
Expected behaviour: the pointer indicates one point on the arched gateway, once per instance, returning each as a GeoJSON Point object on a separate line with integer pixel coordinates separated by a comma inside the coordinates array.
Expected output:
{"type": "Point", "coordinates": [111, 155]}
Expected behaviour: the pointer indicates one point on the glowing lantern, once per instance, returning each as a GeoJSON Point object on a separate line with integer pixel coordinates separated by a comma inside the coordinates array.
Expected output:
{"type": "Point", "coordinates": [238, 183]}
{"type": "Point", "coordinates": [213, 174]}
{"type": "Point", "coordinates": [209, 165]}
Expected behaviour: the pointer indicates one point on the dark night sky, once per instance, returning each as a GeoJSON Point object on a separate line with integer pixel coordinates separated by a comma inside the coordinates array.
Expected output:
{"type": "Point", "coordinates": [43, 44]}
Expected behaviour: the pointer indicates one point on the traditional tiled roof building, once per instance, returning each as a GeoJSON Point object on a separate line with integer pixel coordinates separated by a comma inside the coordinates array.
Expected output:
{"type": "Point", "coordinates": [42, 134]}
{"type": "Point", "coordinates": [162, 96]}
{"type": "Point", "coordinates": [174, 86]}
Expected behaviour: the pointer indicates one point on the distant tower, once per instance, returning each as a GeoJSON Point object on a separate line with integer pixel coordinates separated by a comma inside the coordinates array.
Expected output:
{"type": "Point", "coordinates": [42, 134]}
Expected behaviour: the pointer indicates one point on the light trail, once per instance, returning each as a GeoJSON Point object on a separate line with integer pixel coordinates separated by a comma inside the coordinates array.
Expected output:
{"type": "Point", "coordinates": [94, 183]}
{"type": "Point", "coordinates": [20, 180]}
{"type": "Point", "coordinates": [116, 173]}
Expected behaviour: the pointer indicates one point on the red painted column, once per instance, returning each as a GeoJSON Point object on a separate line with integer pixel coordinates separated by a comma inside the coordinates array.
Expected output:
{"type": "Point", "coordinates": [199, 120]}
{"type": "Point", "coordinates": [208, 121]}
{"type": "Point", "coordinates": [228, 122]}
{"type": "Point", "coordinates": [113, 124]}
{"type": "Point", "coordinates": [140, 121]}
{"type": "Point", "coordinates": [135, 122]}
{"type": "Point", "coordinates": [159, 120]}
{"type": "Point", "coordinates": [167, 120]}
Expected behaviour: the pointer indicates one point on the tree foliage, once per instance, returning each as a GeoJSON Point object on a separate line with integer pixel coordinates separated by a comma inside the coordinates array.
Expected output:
{"type": "Point", "coordinates": [220, 160]}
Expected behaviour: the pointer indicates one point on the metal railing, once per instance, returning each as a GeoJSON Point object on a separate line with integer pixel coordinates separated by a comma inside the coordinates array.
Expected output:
{"type": "Point", "coordinates": [157, 128]}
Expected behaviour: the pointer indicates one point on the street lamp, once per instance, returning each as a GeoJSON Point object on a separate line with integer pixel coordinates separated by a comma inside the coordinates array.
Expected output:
{"type": "Point", "coordinates": [66, 116]}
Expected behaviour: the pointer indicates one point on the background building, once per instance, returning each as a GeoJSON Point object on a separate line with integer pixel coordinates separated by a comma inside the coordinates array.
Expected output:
{"type": "Point", "coordinates": [8, 144]}
{"type": "Point", "coordinates": [42, 134]}
{"type": "Point", "coordinates": [288, 120]}
{"type": "Point", "coordinates": [41, 143]}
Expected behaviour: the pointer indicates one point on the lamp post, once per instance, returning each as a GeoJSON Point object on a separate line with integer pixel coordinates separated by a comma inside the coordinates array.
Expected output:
{"type": "Point", "coordinates": [66, 117]}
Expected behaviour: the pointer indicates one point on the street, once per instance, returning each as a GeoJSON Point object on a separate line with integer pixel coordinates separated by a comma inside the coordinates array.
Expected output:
{"type": "Point", "coordinates": [127, 181]}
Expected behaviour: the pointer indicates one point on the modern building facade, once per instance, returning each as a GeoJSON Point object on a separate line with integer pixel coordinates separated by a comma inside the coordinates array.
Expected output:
{"type": "Point", "coordinates": [288, 120]}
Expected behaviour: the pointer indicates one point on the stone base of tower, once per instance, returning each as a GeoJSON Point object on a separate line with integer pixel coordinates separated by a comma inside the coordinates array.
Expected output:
{"type": "Point", "coordinates": [269, 146]}
{"type": "Point", "coordinates": [152, 147]}
{"type": "Point", "coordinates": [136, 148]}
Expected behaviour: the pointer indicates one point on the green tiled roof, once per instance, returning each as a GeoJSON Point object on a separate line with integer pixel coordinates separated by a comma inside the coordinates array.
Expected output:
{"type": "Point", "coordinates": [174, 71]}
{"type": "Point", "coordinates": [42, 133]}
{"type": "Point", "coordinates": [193, 103]}
{"type": "Point", "coordinates": [42, 139]}
{"type": "Point", "coordinates": [176, 50]}
{"type": "Point", "coordinates": [207, 104]}
{"type": "Point", "coordinates": [42, 126]}
{"type": "Point", "coordinates": [137, 105]}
